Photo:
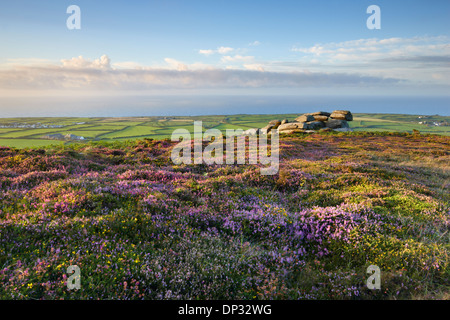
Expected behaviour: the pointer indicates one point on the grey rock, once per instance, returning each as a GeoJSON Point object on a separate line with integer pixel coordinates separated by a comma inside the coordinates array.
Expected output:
{"type": "Point", "coordinates": [305, 118]}
{"type": "Point", "coordinates": [315, 125]}
{"type": "Point", "coordinates": [275, 123]}
{"type": "Point", "coordinates": [320, 117]}
{"type": "Point", "coordinates": [342, 115]}
{"type": "Point", "coordinates": [267, 129]}
{"type": "Point", "coordinates": [336, 123]}
{"type": "Point", "coordinates": [292, 126]}
{"type": "Point", "coordinates": [321, 113]}
{"type": "Point", "coordinates": [341, 111]}
{"type": "Point", "coordinates": [251, 132]}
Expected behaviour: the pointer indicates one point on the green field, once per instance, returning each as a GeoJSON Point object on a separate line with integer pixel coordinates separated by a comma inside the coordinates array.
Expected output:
{"type": "Point", "coordinates": [24, 143]}
{"type": "Point", "coordinates": [131, 128]}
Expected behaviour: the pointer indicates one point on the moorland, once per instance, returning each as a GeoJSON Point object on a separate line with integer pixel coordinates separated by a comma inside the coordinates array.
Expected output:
{"type": "Point", "coordinates": [140, 227]}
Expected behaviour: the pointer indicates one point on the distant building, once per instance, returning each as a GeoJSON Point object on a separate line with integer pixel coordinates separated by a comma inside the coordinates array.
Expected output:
{"type": "Point", "coordinates": [59, 136]}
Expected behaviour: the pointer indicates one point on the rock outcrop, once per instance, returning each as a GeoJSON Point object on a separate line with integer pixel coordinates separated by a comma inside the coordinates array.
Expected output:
{"type": "Point", "coordinates": [312, 122]}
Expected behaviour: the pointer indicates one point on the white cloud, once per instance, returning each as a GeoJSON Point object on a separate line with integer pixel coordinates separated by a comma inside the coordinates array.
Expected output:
{"type": "Point", "coordinates": [415, 59]}
{"type": "Point", "coordinates": [254, 43]}
{"type": "Point", "coordinates": [206, 52]}
{"type": "Point", "coordinates": [368, 49]}
{"type": "Point", "coordinates": [219, 50]}
{"type": "Point", "coordinates": [254, 66]}
{"type": "Point", "coordinates": [79, 62]}
{"type": "Point", "coordinates": [175, 64]}
{"type": "Point", "coordinates": [224, 50]}
{"type": "Point", "coordinates": [237, 58]}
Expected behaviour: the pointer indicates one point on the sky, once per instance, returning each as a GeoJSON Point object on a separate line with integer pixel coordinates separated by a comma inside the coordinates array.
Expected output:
{"type": "Point", "coordinates": [154, 56]}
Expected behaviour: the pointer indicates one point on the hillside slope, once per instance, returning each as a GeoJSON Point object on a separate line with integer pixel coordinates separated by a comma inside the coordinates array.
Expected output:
{"type": "Point", "coordinates": [140, 227]}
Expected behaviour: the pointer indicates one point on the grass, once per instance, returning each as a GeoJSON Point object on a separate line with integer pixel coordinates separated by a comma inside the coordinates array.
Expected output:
{"type": "Point", "coordinates": [30, 132]}
{"type": "Point", "coordinates": [398, 123]}
{"type": "Point", "coordinates": [26, 143]}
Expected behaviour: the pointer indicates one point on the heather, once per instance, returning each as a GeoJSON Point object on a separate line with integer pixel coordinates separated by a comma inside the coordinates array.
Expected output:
{"type": "Point", "coordinates": [140, 227]}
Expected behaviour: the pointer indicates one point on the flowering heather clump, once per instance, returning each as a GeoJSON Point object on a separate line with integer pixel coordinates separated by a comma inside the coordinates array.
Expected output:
{"type": "Point", "coordinates": [140, 227]}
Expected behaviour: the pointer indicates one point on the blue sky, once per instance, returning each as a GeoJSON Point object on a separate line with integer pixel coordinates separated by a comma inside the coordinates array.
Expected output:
{"type": "Point", "coordinates": [148, 31]}
{"type": "Point", "coordinates": [224, 47]}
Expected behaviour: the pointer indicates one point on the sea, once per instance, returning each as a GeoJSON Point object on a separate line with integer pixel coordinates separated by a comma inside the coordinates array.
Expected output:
{"type": "Point", "coordinates": [192, 105]}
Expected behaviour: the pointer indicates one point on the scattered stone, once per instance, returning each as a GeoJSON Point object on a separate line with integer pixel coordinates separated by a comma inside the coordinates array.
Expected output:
{"type": "Point", "coordinates": [284, 121]}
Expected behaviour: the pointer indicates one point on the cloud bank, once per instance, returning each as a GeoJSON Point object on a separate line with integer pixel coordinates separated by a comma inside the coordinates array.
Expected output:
{"type": "Point", "coordinates": [371, 49]}
{"type": "Point", "coordinates": [81, 73]}
{"type": "Point", "coordinates": [364, 63]}
{"type": "Point", "coordinates": [419, 59]}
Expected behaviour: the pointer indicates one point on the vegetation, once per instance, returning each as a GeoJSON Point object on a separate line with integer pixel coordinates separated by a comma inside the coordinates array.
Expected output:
{"type": "Point", "coordinates": [140, 227]}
